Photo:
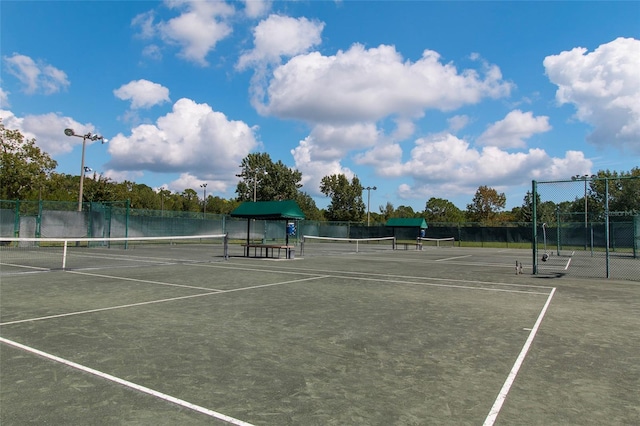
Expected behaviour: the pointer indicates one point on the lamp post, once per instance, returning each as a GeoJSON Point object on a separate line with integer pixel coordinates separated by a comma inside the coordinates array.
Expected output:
{"type": "Point", "coordinates": [248, 172]}
{"type": "Point", "coordinates": [584, 178]}
{"type": "Point", "coordinates": [204, 197]}
{"type": "Point", "coordinates": [91, 137]}
{"type": "Point", "coordinates": [369, 188]}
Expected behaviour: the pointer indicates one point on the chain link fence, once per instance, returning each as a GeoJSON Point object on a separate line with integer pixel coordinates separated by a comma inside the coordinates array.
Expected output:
{"type": "Point", "coordinates": [587, 226]}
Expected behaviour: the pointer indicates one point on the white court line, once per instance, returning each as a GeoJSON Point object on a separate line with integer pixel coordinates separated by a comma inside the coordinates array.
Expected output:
{"type": "Point", "coordinates": [151, 302]}
{"type": "Point", "coordinates": [567, 265]}
{"type": "Point", "coordinates": [346, 274]}
{"type": "Point", "coordinates": [497, 405]}
{"type": "Point", "coordinates": [126, 383]}
{"type": "Point", "coordinates": [91, 274]}
{"type": "Point", "coordinates": [451, 258]}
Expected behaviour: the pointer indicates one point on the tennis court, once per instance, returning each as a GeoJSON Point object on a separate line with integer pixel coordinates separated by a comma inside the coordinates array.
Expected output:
{"type": "Point", "coordinates": [444, 335]}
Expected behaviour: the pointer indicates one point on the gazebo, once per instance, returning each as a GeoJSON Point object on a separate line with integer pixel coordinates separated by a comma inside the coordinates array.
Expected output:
{"type": "Point", "coordinates": [268, 210]}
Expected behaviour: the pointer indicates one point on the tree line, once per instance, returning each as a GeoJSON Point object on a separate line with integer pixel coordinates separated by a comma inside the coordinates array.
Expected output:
{"type": "Point", "coordinates": [28, 173]}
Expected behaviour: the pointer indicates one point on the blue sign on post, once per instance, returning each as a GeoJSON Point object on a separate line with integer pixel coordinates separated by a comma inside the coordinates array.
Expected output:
{"type": "Point", "coordinates": [291, 228]}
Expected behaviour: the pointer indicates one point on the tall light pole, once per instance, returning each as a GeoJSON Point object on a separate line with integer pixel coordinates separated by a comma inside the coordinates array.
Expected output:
{"type": "Point", "coordinates": [369, 188]}
{"type": "Point", "coordinates": [253, 172]}
{"type": "Point", "coordinates": [91, 137]}
{"type": "Point", "coordinates": [584, 178]}
{"type": "Point", "coordinates": [204, 197]}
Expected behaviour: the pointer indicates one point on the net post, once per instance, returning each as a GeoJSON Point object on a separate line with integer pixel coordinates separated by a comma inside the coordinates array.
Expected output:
{"type": "Point", "coordinates": [64, 255]}
{"type": "Point", "coordinates": [226, 246]}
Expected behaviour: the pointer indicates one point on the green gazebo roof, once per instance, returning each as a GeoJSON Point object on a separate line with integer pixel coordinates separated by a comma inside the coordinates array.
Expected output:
{"type": "Point", "coordinates": [286, 209]}
{"type": "Point", "coordinates": [407, 222]}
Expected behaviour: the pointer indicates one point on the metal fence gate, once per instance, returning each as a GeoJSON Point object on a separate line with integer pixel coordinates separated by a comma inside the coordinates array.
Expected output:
{"type": "Point", "coordinates": [588, 226]}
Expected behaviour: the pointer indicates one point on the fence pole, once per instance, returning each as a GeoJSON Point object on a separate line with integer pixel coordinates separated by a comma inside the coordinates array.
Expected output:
{"type": "Point", "coordinates": [606, 222]}
{"type": "Point", "coordinates": [534, 220]}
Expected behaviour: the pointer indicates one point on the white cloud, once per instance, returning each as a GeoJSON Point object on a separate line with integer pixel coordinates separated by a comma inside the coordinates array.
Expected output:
{"type": "Point", "coordinates": [512, 131]}
{"type": "Point", "coordinates": [256, 8]}
{"type": "Point", "coordinates": [188, 180]}
{"type": "Point", "coordinates": [368, 84]}
{"type": "Point", "coordinates": [143, 93]}
{"type": "Point", "coordinates": [604, 87]}
{"type": "Point", "coordinates": [279, 36]}
{"type": "Point", "coordinates": [48, 130]}
{"type": "Point", "coordinates": [320, 153]}
{"type": "Point", "coordinates": [4, 98]}
{"type": "Point", "coordinates": [36, 77]}
{"type": "Point", "coordinates": [191, 139]}
{"type": "Point", "coordinates": [446, 164]}
{"type": "Point", "coordinates": [197, 30]}
{"type": "Point", "coordinates": [458, 122]}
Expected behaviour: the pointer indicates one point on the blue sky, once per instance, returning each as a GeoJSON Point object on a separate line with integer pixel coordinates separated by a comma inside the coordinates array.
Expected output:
{"type": "Point", "coordinates": [420, 99]}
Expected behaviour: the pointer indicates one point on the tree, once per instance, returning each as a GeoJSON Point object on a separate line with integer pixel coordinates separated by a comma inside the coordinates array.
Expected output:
{"type": "Point", "coordinates": [308, 206]}
{"type": "Point", "coordinates": [23, 167]}
{"type": "Point", "coordinates": [440, 210]}
{"type": "Point", "coordinates": [387, 211]}
{"type": "Point", "coordinates": [404, 211]}
{"type": "Point", "coordinates": [624, 192]}
{"type": "Point", "coordinates": [266, 180]}
{"type": "Point", "coordinates": [486, 203]}
{"type": "Point", "coordinates": [346, 198]}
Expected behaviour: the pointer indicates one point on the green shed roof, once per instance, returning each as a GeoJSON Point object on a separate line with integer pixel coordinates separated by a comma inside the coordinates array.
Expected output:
{"type": "Point", "coordinates": [406, 222]}
{"type": "Point", "coordinates": [286, 209]}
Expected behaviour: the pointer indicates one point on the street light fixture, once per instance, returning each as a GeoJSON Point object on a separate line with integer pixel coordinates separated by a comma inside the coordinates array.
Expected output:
{"type": "Point", "coordinates": [584, 178]}
{"type": "Point", "coordinates": [369, 188]}
{"type": "Point", "coordinates": [204, 197]}
{"type": "Point", "coordinates": [91, 137]}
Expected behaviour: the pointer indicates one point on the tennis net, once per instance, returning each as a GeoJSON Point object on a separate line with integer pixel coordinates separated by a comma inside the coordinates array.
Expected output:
{"type": "Point", "coordinates": [312, 245]}
{"type": "Point", "coordinates": [33, 254]}
{"type": "Point", "coordinates": [437, 242]}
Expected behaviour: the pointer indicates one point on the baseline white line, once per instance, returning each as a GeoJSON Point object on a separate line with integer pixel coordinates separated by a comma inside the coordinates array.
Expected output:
{"type": "Point", "coordinates": [567, 265]}
{"type": "Point", "coordinates": [502, 395]}
{"type": "Point", "coordinates": [151, 302]}
{"type": "Point", "coordinates": [451, 258]}
{"type": "Point", "coordinates": [126, 383]}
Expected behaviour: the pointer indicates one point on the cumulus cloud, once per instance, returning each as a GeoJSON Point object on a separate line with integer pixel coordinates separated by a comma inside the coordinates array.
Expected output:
{"type": "Point", "coordinates": [48, 130]}
{"type": "Point", "coordinates": [142, 93]}
{"type": "Point", "coordinates": [454, 166]}
{"type": "Point", "coordinates": [256, 8]}
{"type": "Point", "coordinates": [36, 76]}
{"type": "Point", "coordinates": [604, 87]}
{"type": "Point", "coordinates": [512, 131]}
{"type": "Point", "coordinates": [320, 153]}
{"type": "Point", "coordinates": [279, 36]}
{"type": "Point", "coordinates": [192, 138]}
{"type": "Point", "coordinates": [197, 30]}
{"type": "Point", "coordinates": [368, 84]}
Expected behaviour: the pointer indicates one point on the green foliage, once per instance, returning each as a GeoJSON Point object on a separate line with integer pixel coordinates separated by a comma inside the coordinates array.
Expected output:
{"type": "Point", "coordinates": [24, 168]}
{"type": "Point", "coordinates": [486, 204]}
{"type": "Point", "coordinates": [346, 198]}
{"type": "Point", "coordinates": [265, 180]}
{"type": "Point", "coordinates": [440, 210]}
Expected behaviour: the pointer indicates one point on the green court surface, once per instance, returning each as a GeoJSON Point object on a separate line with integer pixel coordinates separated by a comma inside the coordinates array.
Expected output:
{"type": "Point", "coordinates": [440, 336]}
